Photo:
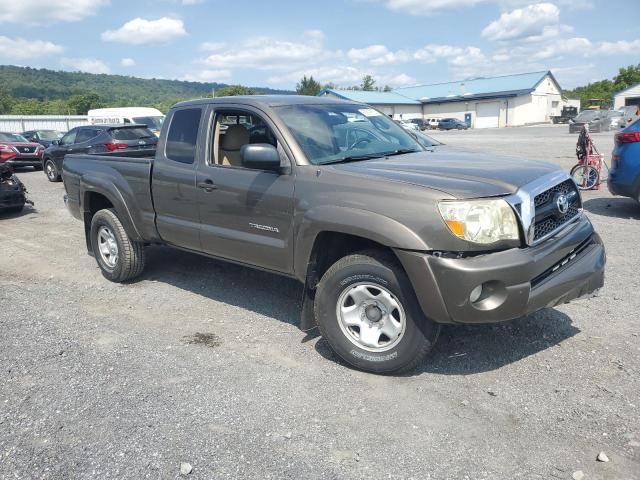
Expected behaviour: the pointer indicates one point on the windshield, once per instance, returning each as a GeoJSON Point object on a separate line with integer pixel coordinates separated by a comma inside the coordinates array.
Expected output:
{"type": "Point", "coordinates": [588, 115]}
{"type": "Point", "coordinates": [154, 123]}
{"type": "Point", "coordinates": [50, 135]}
{"type": "Point", "coordinates": [340, 133]}
{"type": "Point", "coordinates": [12, 137]}
{"type": "Point", "coordinates": [425, 140]}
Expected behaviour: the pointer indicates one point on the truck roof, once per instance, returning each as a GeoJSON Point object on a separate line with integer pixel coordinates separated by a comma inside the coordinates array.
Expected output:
{"type": "Point", "coordinates": [269, 100]}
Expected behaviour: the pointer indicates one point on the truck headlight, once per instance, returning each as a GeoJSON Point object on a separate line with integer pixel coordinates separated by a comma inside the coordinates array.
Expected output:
{"type": "Point", "coordinates": [480, 221]}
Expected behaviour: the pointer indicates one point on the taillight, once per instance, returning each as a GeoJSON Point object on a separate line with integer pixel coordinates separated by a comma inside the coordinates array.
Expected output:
{"type": "Point", "coordinates": [112, 147]}
{"type": "Point", "coordinates": [627, 137]}
{"type": "Point", "coordinates": [6, 153]}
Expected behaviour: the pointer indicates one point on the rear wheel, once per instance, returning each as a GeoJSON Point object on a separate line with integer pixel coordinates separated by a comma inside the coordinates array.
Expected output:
{"type": "Point", "coordinates": [51, 171]}
{"type": "Point", "coordinates": [118, 256]}
{"type": "Point", "coordinates": [367, 311]}
{"type": "Point", "coordinates": [585, 176]}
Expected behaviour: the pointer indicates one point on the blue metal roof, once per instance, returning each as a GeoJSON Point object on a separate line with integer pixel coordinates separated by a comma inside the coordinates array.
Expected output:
{"type": "Point", "coordinates": [507, 85]}
{"type": "Point", "coordinates": [374, 98]}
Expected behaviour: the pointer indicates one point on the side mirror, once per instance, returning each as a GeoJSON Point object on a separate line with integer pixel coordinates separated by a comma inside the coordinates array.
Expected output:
{"type": "Point", "coordinates": [55, 142]}
{"type": "Point", "coordinates": [260, 156]}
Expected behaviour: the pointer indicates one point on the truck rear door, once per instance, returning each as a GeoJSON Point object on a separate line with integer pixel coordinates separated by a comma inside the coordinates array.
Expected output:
{"type": "Point", "coordinates": [246, 215]}
{"type": "Point", "coordinates": [173, 184]}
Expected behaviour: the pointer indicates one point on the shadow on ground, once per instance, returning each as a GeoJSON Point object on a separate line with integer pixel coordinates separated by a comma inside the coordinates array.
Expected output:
{"type": "Point", "coordinates": [613, 207]}
{"type": "Point", "coordinates": [261, 292]}
{"type": "Point", "coordinates": [470, 349]}
{"type": "Point", "coordinates": [7, 215]}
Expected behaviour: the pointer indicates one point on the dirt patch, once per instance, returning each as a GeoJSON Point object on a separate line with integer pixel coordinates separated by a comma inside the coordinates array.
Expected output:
{"type": "Point", "coordinates": [206, 339]}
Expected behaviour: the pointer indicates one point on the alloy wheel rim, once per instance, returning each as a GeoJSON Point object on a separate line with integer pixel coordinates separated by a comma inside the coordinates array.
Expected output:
{"type": "Point", "coordinates": [371, 317]}
{"type": "Point", "coordinates": [107, 246]}
{"type": "Point", "coordinates": [50, 172]}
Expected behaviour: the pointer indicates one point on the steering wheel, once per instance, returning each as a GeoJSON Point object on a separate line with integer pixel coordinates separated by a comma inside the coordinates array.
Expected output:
{"type": "Point", "coordinates": [364, 141]}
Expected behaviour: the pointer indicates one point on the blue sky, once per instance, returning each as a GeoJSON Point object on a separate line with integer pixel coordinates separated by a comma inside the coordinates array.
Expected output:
{"type": "Point", "coordinates": [273, 43]}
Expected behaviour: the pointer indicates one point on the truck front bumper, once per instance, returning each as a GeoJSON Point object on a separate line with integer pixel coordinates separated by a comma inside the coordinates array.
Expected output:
{"type": "Point", "coordinates": [504, 285]}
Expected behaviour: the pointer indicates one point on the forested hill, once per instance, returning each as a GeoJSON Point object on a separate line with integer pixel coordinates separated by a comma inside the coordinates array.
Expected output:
{"type": "Point", "coordinates": [30, 90]}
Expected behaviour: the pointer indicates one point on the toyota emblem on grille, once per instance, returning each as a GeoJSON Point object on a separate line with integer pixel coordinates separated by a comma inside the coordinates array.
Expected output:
{"type": "Point", "coordinates": [562, 204]}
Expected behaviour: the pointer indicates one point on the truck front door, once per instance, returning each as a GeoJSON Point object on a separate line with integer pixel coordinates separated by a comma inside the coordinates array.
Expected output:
{"type": "Point", "coordinates": [246, 215]}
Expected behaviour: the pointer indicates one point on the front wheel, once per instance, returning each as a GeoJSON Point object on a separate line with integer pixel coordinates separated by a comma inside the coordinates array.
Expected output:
{"type": "Point", "coordinates": [367, 311]}
{"type": "Point", "coordinates": [51, 171]}
{"type": "Point", "coordinates": [585, 176]}
{"type": "Point", "coordinates": [119, 257]}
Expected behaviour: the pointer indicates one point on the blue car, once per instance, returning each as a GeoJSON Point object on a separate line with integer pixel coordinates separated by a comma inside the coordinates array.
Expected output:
{"type": "Point", "coordinates": [452, 124]}
{"type": "Point", "coordinates": [624, 176]}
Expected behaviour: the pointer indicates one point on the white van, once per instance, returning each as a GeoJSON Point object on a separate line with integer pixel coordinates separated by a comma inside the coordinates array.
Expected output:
{"type": "Point", "coordinates": [150, 117]}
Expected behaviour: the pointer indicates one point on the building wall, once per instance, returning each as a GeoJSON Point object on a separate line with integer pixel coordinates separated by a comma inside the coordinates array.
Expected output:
{"type": "Point", "coordinates": [458, 110]}
{"type": "Point", "coordinates": [633, 94]}
{"type": "Point", "coordinates": [21, 123]}
{"type": "Point", "coordinates": [400, 112]}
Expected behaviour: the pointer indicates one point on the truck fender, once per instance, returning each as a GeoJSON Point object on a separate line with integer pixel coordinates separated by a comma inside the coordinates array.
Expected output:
{"type": "Point", "coordinates": [106, 187]}
{"type": "Point", "coordinates": [352, 221]}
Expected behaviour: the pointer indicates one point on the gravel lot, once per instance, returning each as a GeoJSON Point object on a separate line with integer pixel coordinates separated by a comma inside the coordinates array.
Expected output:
{"type": "Point", "coordinates": [201, 362]}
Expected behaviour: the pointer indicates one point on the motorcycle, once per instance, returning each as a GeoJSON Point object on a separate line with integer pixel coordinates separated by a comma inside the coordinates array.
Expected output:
{"type": "Point", "coordinates": [13, 193]}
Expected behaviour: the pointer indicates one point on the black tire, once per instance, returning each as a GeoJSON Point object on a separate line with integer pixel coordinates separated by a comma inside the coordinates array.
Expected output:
{"type": "Point", "coordinates": [130, 254]}
{"type": "Point", "coordinates": [51, 171]}
{"type": "Point", "coordinates": [12, 210]}
{"type": "Point", "coordinates": [382, 269]}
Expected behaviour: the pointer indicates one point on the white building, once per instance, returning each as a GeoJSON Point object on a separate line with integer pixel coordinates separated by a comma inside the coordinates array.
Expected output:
{"type": "Point", "coordinates": [505, 101]}
{"type": "Point", "coordinates": [630, 96]}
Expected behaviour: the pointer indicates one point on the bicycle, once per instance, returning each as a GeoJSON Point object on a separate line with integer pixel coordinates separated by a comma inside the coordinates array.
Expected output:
{"type": "Point", "coordinates": [586, 173]}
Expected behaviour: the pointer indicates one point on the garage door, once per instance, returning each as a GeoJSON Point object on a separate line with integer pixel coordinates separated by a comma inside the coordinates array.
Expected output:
{"type": "Point", "coordinates": [487, 115]}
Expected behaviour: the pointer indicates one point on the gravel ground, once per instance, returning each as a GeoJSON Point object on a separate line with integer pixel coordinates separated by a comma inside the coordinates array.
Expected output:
{"type": "Point", "coordinates": [201, 362]}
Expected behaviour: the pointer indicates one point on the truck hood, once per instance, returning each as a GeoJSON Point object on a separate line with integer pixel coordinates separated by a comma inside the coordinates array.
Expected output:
{"type": "Point", "coordinates": [460, 173]}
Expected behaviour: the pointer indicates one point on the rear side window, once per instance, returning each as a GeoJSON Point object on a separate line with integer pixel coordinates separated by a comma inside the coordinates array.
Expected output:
{"type": "Point", "coordinates": [85, 135]}
{"type": "Point", "coordinates": [183, 135]}
{"type": "Point", "coordinates": [130, 133]}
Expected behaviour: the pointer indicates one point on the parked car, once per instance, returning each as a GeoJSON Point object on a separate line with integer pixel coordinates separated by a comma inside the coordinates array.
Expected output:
{"type": "Point", "coordinates": [433, 123]}
{"type": "Point", "coordinates": [616, 119]}
{"type": "Point", "coordinates": [420, 123]}
{"type": "Point", "coordinates": [568, 113]}
{"type": "Point", "coordinates": [151, 117]}
{"type": "Point", "coordinates": [138, 140]}
{"type": "Point", "coordinates": [452, 124]}
{"type": "Point", "coordinates": [389, 240]}
{"type": "Point", "coordinates": [624, 175]}
{"type": "Point", "coordinates": [598, 121]}
{"type": "Point", "coordinates": [631, 113]}
{"type": "Point", "coordinates": [17, 151]}
{"type": "Point", "coordinates": [43, 137]}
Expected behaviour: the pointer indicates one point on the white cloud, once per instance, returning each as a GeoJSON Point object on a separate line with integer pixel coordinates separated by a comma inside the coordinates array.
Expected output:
{"type": "Point", "coordinates": [377, 55]}
{"type": "Point", "coordinates": [541, 19]}
{"type": "Point", "coordinates": [128, 62]}
{"type": "Point", "coordinates": [268, 53]}
{"type": "Point", "coordinates": [39, 12]}
{"type": "Point", "coordinates": [21, 49]}
{"type": "Point", "coordinates": [208, 76]}
{"type": "Point", "coordinates": [140, 31]}
{"type": "Point", "coordinates": [428, 7]}
{"type": "Point", "coordinates": [88, 65]}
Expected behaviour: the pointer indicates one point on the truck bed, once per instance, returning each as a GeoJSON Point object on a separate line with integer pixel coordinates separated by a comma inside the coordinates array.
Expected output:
{"type": "Point", "coordinates": [123, 179]}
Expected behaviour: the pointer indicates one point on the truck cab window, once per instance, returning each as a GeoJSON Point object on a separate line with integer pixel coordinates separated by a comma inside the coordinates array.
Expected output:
{"type": "Point", "coordinates": [232, 130]}
{"type": "Point", "coordinates": [182, 137]}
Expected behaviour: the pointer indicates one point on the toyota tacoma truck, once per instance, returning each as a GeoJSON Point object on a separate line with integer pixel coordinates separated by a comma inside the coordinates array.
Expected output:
{"type": "Point", "coordinates": [389, 240]}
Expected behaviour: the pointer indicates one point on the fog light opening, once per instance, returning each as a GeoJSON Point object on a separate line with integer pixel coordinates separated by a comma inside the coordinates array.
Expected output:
{"type": "Point", "coordinates": [475, 294]}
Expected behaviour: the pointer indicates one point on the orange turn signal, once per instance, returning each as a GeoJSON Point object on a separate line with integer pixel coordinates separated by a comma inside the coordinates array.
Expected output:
{"type": "Point", "coordinates": [456, 227]}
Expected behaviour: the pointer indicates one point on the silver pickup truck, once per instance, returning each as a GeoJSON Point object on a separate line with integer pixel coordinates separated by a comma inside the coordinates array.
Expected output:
{"type": "Point", "coordinates": [389, 239]}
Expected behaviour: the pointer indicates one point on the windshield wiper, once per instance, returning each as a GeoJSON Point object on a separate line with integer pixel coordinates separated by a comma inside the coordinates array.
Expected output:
{"type": "Point", "coordinates": [354, 158]}
{"type": "Point", "coordinates": [400, 151]}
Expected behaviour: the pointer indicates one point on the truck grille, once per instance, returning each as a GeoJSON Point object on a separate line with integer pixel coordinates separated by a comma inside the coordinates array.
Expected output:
{"type": "Point", "coordinates": [26, 149]}
{"type": "Point", "coordinates": [548, 214]}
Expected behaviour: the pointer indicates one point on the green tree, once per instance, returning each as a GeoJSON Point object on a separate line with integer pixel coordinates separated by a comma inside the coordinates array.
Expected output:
{"type": "Point", "coordinates": [82, 103]}
{"type": "Point", "coordinates": [308, 86]}
{"type": "Point", "coordinates": [6, 101]}
{"type": "Point", "coordinates": [387, 88]}
{"type": "Point", "coordinates": [627, 77]}
{"type": "Point", "coordinates": [233, 91]}
{"type": "Point", "coordinates": [368, 83]}
{"type": "Point", "coordinates": [330, 85]}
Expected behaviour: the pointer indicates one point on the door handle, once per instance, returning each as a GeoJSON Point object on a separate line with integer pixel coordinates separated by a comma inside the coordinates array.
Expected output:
{"type": "Point", "coordinates": [207, 185]}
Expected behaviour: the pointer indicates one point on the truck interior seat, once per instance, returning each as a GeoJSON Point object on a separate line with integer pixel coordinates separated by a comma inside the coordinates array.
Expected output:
{"type": "Point", "coordinates": [235, 137]}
